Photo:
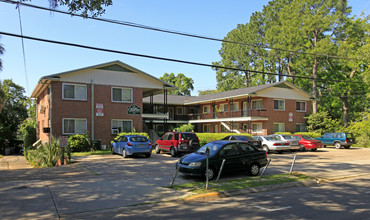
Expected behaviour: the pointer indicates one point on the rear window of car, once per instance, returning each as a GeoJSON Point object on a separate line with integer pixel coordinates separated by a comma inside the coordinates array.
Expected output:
{"type": "Point", "coordinates": [272, 138]}
{"type": "Point", "coordinates": [188, 136]}
{"type": "Point", "coordinates": [244, 138]}
{"type": "Point", "coordinates": [288, 137]}
{"type": "Point", "coordinates": [138, 139]}
{"type": "Point", "coordinates": [307, 137]}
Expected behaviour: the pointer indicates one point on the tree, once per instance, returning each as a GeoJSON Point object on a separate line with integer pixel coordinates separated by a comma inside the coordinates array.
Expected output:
{"type": "Point", "coordinates": [183, 83]}
{"type": "Point", "coordinates": [94, 7]}
{"type": "Point", "coordinates": [13, 113]}
{"type": "Point", "coordinates": [322, 122]}
{"type": "Point", "coordinates": [206, 92]}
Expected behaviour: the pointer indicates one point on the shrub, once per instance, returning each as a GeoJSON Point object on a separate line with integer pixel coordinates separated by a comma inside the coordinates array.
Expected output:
{"type": "Point", "coordinates": [185, 128]}
{"type": "Point", "coordinates": [205, 138]}
{"type": "Point", "coordinates": [79, 143]}
{"type": "Point", "coordinates": [321, 123]}
{"type": "Point", "coordinates": [361, 131]}
{"type": "Point", "coordinates": [47, 155]}
{"type": "Point", "coordinates": [287, 133]}
{"type": "Point", "coordinates": [311, 134]}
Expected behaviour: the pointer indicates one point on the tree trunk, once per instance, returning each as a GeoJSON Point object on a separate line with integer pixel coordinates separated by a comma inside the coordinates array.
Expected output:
{"type": "Point", "coordinates": [314, 85]}
{"type": "Point", "coordinates": [345, 110]}
{"type": "Point", "coordinates": [247, 79]}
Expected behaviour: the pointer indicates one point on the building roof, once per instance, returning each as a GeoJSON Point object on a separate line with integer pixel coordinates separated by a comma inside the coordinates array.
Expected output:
{"type": "Point", "coordinates": [112, 66]}
{"type": "Point", "coordinates": [237, 93]}
{"type": "Point", "coordinates": [171, 99]}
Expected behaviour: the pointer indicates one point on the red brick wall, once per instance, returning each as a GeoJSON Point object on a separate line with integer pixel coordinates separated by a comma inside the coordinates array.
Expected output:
{"type": "Point", "coordinates": [82, 109]}
{"type": "Point", "coordinates": [43, 115]}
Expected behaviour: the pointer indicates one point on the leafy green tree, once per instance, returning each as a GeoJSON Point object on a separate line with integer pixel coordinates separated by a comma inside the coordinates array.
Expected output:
{"type": "Point", "coordinates": [183, 83]}
{"type": "Point", "coordinates": [28, 126]}
{"type": "Point", "coordinates": [13, 113]}
{"type": "Point", "coordinates": [184, 128]}
{"type": "Point", "coordinates": [206, 92]}
{"type": "Point", "coordinates": [321, 122]}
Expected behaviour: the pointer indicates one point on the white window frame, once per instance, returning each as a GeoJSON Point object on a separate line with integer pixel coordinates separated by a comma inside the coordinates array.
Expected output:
{"type": "Point", "coordinates": [222, 107]}
{"type": "Point", "coordinates": [233, 105]}
{"type": "Point", "coordinates": [300, 124]}
{"type": "Point", "coordinates": [305, 106]}
{"type": "Point", "coordinates": [279, 101]}
{"type": "Point", "coordinates": [80, 119]}
{"type": "Point", "coordinates": [111, 124]}
{"type": "Point", "coordinates": [179, 113]}
{"type": "Point", "coordinates": [279, 123]}
{"type": "Point", "coordinates": [122, 88]}
{"type": "Point", "coordinates": [207, 106]}
{"type": "Point", "coordinates": [259, 128]}
{"type": "Point", "coordinates": [257, 100]}
{"type": "Point", "coordinates": [208, 126]}
{"type": "Point", "coordinates": [74, 84]}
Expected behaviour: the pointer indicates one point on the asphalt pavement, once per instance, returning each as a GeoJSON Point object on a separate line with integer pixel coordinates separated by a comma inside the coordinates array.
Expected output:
{"type": "Point", "coordinates": [109, 183]}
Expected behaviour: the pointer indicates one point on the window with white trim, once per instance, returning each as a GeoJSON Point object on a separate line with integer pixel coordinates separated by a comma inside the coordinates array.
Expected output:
{"type": "Point", "coordinates": [300, 106]}
{"type": "Point", "coordinates": [223, 107]}
{"type": "Point", "coordinates": [206, 109]}
{"type": "Point", "coordinates": [234, 107]}
{"type": "Point", "coordinates": [279, 104]}
{"type": "Point", "coordinates": [256, 104]}
{"type": "Point", "coordinates": [74, 91]}
{"type": "Point", "coordinates": [74, 126]}
{"type": "Point", "coordinates": [122, 94]}
{"type": "Point", "coordinates": [300, 127]}
{"type": "Point", "coordinates": [121, 125]}
{"type": "Point", "coordinates": [257, 127]}
{"type": "Point", "coordinates": [279, 127]}
{"type": "Point", "coordinates": [179, 111]}
{"type": "Point", "coordinates": [206, 128]}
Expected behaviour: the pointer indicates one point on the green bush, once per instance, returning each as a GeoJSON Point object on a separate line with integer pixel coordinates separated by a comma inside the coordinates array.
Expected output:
{"type": "Point", "coordinates": [79, 143]}
{"type": "Point", "coordinates": [47, 155]}
{"type": "Point", "coordinates": [205, 138]}
{"type": "Point", "coordinates": [361, 131]}
{"type": "Point", "coordinates": [321, 122]}
{"type": "Point", "coordinates": [185, 128]}
{"type": "Point", "coordinates": [311, 134]}
{"type": "Point", "coordinates": [287, 133]}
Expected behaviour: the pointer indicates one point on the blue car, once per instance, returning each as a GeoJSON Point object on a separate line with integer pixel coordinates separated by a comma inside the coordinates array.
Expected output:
{"type": "Point", "coordinates": [338, 140]}
{"type": "Point", "coordinates": [129, 145]}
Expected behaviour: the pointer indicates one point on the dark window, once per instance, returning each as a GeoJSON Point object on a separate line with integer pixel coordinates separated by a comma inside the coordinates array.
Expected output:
{"type": "Point", "coordinates": [176, 137]}
{"type": "Point", "coordinates": [188, 136]}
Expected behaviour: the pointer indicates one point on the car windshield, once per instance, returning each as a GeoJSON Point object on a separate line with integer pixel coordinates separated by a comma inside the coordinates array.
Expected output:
{"type": "Point", "coordinates": [307, 137]}
{"type": "Point", "coordinates": [272, 138]}
{"type": "Point", "coordinates": [244, 138]}
{"type": "Point", "coordinates": [214, 147]}
{"type": "Point", "coordinates": [138, 139]}
{"type": "Point", "coordinates": [188, 136]}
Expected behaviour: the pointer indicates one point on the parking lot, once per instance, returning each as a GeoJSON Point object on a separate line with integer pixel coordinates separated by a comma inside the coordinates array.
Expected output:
{"type": "Point", "coordinates": [98, 183]}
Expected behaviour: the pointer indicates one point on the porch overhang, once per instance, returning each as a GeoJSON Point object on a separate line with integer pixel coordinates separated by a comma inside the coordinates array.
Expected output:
{"type": "Point", "coordinates": [238, 119]}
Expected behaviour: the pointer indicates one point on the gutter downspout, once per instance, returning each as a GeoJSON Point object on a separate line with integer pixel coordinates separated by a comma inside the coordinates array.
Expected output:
{"type": "Point", "coordinates": [92, 111]}
{"type": "Point", "coordinates": [50, 114]}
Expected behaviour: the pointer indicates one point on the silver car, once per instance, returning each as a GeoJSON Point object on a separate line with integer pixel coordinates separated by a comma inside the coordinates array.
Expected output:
{"type": "Point", "coordinates": [293, 141]}
{"type": "Point", "coordinates": [273, 143]}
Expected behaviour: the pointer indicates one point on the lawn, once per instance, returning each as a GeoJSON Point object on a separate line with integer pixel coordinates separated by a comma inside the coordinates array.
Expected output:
{"type": "Point", "coordinates": [242, 183]}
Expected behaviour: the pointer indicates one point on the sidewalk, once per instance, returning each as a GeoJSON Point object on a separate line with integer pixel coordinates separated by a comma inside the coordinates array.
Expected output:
{"type": "Point", "coordinates": [14, 162]}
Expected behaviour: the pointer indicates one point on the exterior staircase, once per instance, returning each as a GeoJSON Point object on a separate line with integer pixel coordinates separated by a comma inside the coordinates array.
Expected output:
{"type": "Point", "coordinates": [228, 127]}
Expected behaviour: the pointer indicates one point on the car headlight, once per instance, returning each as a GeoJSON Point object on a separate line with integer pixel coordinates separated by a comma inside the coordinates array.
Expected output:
{"type": "Point", "coordinates": [195, 164]}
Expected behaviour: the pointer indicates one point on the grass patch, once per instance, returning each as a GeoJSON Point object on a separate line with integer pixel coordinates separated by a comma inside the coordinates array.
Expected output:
{"type": "Point", "coordinates": [97, 152]}
{"type": "Point", "coordinates": [242, 183]}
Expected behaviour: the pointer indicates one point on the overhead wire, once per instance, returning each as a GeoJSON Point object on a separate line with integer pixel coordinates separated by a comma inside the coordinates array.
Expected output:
{"type": "Point", "coordinates": [23, 50]}
{"type": "Point", "coordinates": [136, 25]}
{"type": "Point", "coordinates": [163, 58]}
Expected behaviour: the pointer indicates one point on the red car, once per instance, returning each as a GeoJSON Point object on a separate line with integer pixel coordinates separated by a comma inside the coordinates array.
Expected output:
{"type": "Point", "coordinates": [177, 143]}
{"type": "Point", "coordinates": [307, 142]}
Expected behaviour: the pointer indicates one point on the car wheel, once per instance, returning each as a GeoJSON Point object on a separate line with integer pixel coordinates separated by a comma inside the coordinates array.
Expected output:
{"type": "Point", "coordinates": [210, 173]}
{"type": "Point", "coordinates": [314, 149]}
{"type": "Point", "coordinates": [337, 145]}
{"type": "Point", "coordinates": [157, 151]}
{"type": "Point", "coordinates": [265, 148]}
{"type": "Point", "coordinates": [124, 154]}
{"type": "Point", "coordinates": [302, 148]}
{"type": "Point", "coordinates": [173, 152]}
{"type": "Point", "coordinates": [254, 169]}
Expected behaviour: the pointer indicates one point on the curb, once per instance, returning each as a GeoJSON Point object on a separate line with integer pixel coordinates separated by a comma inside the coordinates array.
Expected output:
{"type": "Point", "coordinates": [230, 193]}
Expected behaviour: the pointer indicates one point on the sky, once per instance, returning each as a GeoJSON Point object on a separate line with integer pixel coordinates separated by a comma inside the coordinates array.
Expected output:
{"type": "Point", "coordinates": [211, 18]}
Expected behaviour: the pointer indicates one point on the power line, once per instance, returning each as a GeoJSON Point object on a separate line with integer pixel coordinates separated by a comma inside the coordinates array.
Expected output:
{"type": "Point", "coordinates": [24, 53]}
{"type": "Point", "coordinates": [162, 58]}
{"type": "Point", "coordinates": [136, 25]}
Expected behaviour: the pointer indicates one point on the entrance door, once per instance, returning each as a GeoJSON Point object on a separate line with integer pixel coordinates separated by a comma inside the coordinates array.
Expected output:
{"type": "Point", "coordinates": [244, 110]}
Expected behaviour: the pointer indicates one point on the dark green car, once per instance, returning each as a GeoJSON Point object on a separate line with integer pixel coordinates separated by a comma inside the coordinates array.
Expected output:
{"type": "Point", "coordinates": [238, 155]}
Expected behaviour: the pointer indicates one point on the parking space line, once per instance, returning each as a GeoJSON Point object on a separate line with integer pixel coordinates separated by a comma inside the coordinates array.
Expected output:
{"type": "Point", "coordinates": [273, 210]}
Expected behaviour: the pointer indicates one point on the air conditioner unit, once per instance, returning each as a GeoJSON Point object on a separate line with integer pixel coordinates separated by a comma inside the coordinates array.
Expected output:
{"type": "Point", "coordinates": [115, 131]}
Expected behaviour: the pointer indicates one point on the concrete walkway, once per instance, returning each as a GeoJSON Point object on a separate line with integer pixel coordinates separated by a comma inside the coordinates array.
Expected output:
{"type": "Point", "coordinates": [14, 163]}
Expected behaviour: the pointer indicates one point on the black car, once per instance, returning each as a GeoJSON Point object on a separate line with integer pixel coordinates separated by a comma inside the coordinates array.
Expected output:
{"type": "Point", "coordinates": [247, 139]}
{"type": "Point", "coordinates": [239, 156]}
